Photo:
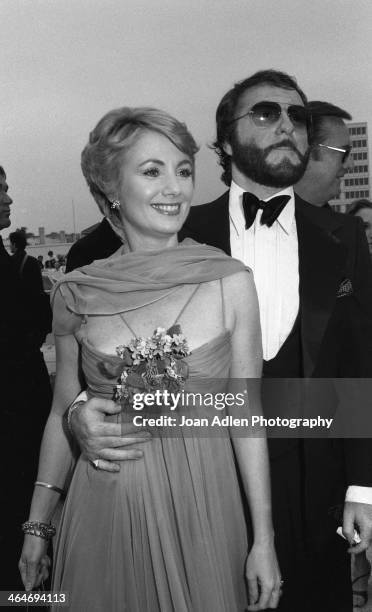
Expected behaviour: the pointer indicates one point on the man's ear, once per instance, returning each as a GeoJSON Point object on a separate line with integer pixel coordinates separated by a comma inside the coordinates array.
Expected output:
{"type": "Point", "coordinates": [227, 148]}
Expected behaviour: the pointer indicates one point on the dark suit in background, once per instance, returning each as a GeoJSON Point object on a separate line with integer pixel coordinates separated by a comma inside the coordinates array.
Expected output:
{"type": "Point", "coordinates": [25, 401]}
{"type": "Point", "coordinates": [100, 243]}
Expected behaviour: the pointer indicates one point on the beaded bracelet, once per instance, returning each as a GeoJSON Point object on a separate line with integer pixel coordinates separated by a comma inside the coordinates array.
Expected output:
{"type": "Point", "coordinates": [70, 412]}
{"type": "Point", "coordinates": [39, 529]}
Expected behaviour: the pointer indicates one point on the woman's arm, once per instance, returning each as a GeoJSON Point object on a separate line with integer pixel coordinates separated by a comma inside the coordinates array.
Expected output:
{"type": "Point", "coordinates": [251, 450]}
{"type": "Point", "coordinates": [56, 460]}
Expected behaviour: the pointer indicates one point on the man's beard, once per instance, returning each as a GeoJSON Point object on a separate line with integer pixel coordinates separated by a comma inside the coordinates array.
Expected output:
{"type": "Point", "coordinates": [251, 161]}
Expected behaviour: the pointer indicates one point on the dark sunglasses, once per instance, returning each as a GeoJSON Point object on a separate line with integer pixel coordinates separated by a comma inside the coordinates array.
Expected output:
{"type": "Point", "coordinates": [266, 114]}
{"type": "Point", "coordinates": [346, 150]}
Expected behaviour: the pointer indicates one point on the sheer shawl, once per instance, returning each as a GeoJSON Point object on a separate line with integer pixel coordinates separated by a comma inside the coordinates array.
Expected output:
{"type": "Point", "coordinates": [126, 281]}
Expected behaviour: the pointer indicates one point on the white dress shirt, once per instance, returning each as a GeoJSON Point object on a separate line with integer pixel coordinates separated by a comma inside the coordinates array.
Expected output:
{"type": "Point", "coordinates": [272, 255]}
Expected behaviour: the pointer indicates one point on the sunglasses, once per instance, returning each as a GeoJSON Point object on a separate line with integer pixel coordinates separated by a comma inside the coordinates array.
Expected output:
{"type": "Point", "coordinates": [266, 114]}
{"type": "Point", "coordinates": [346, 150]}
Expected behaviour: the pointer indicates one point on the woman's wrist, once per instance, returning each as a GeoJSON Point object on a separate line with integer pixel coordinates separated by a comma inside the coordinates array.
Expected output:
{"type": "Point", "coordinates": [44, 504]}
{"type": "Point", "coordinates": [264, 538]}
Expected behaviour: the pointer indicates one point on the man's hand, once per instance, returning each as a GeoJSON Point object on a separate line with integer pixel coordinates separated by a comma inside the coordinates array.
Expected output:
{"type": "Point", "coordinates": [358, 516]}
{"type": "Point", "coordinates": [106, 441]}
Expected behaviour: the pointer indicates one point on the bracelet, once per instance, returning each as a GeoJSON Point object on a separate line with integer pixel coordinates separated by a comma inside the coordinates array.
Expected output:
{"type": "Point", "coordinates": [39, 529]}
{"type": "Point", "coordinates": [38, 483]}
{"type": "Point", "coordinates": [70, 412]}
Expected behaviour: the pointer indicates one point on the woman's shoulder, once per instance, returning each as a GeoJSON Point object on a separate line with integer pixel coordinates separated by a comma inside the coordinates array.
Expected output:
{"type": "Point", "coordinates": [239, 287]}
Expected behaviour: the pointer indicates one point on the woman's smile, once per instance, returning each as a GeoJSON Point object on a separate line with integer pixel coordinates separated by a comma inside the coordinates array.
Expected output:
{"type": "Point", "coordinates": [167, 209]}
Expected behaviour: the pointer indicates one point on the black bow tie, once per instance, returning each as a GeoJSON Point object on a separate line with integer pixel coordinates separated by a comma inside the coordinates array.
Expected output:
{"type": "Point", "coordinates": [271, 209]}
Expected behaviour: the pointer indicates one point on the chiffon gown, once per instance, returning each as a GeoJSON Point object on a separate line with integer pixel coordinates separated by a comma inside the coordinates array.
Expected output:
{"type": "Point", "coordinates": [166, 533]}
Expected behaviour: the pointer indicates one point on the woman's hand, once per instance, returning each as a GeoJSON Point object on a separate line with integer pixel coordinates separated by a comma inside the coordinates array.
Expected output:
{"type": "Point", "coordinates": [263, 577]}
{"type": "Point", "coordinates": [34, 562]}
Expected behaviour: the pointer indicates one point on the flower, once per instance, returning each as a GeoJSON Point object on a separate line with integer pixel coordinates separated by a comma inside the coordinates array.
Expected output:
{"type": "Point", "coordinates": [153, 363]}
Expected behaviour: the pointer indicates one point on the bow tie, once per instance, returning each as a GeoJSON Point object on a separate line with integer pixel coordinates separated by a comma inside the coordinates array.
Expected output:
{"type": "Point", "coordinates": [271, 209]}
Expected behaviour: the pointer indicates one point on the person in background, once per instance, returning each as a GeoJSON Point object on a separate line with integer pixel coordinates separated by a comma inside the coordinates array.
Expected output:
{"type": "Point", "coordinates": [361, 569]}
{"type": "Point", "coordinates": [329, 160]}
{"type": "Point", "coordinates": [51, 262]}
{"type": "Point", "coordinates": [363, 209]}
{"type": "Point", "coordinates": [40, 261]}
{"type": "Point", "coordinates": [329, 156]}
{"type": "Point", "coordinates": [25, 393]}
{"type": "Point", "coordinates": [61, 260]}
{"type": "Point", "coordinates": [38, 305]}
{"type": "Point", "coordinates": [27, 266]}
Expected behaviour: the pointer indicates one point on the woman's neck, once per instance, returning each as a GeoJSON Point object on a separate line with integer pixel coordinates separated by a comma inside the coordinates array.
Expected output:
{"type": "Point", "coordinates": [150, 243]}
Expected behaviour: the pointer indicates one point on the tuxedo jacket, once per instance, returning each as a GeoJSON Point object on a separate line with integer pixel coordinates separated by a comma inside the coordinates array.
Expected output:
{"type": "Point", "coordinates": [335, 293]}
{"type": "Point", "coordinates": [335, 283]}
{"type": "Point", "coordinates": [100, 243]}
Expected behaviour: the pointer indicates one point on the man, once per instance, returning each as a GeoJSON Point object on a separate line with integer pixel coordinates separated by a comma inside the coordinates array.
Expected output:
{"type": "Point", "coordinates": [300, 316]}
{"type": "Point", "coordinates": [329, 154]}
{"type": "Point", "coordinates": [50, 263]}
{"type": "Point", "coordinates": [24, 405]}
{"type": "Point", "coordinates": [100, 243]}
{"type": "Point", "coordinates": [38, 303]}
{"type": "Point", "coordinates": [263, 148]}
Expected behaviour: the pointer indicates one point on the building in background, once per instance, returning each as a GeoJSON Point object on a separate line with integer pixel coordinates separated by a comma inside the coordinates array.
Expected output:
{"type": "Point", "coordinates": [355, 184]}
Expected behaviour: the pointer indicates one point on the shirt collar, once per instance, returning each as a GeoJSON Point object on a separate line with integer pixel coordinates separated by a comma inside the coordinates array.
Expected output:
{"type": "Point", "coordinates": [285, 218]}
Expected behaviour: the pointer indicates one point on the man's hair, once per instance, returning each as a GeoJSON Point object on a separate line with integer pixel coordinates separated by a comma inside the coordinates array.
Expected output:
{"type": "Point", "coordinates": [358, 205]}
{"type": "Point", "coordinates": [18, 238]}
{"type": "Point", "coordinates": [113, 136]}
{"type": "Point", "coordinates": [320, 112]}
{"type": "Point", "coordinates": [2, 172]}
{"type": "Point", "coordinates": [227, 108]}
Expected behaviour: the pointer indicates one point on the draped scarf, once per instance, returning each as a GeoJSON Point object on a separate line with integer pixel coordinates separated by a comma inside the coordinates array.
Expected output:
{"type": "Point", "coordinates": [126, 281]}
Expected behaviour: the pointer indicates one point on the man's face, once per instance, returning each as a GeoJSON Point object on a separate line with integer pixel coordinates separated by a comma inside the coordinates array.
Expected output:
{"type": "Point", "coordinates": [5, 202]}
{"type": "Point", "coordinates": [276, 155]}
{"type": "Point", "coordinates": [329, 168]}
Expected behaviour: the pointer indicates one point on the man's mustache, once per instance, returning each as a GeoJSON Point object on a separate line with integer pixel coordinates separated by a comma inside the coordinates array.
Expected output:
{"type": "Point", "coordinates": [285, 143]}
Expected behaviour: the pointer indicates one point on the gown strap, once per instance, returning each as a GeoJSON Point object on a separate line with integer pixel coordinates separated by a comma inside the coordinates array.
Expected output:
{"type": "Point", "coordinates": [178, 316]}
{"type": "Point", "coordinates": [186, 303]}
{"type": "Point", "coordinates": [223, 305]}
{"type": "Point", "coordinates": [127, 324]}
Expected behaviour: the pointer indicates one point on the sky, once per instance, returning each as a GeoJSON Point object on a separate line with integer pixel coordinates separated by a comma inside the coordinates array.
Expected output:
{"type": "Point", "coordinates": [65, 63]}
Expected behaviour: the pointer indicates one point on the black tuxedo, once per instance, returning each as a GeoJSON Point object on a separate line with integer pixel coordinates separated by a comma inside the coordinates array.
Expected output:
{"type": "Point", "coordinates": [100, 243]}
{"type": "Point", "coordinates": [310, 476]}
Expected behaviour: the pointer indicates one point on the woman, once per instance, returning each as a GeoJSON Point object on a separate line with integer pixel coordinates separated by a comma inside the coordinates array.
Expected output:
{"type": "Point", "coordinates": [166, 532]}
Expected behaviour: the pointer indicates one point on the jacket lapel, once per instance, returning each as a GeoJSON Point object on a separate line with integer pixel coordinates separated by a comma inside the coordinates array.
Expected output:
{"type": "Point", "coordinates": [321, 264]}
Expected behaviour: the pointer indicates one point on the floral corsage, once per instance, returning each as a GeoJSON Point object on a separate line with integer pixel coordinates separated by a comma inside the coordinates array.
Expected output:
{"type": "Point", "coordinates": [152, 363]}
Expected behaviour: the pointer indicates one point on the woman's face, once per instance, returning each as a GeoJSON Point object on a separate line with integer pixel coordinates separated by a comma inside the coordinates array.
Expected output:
{"type": "Point", "coordinates": [155, 190]}
{"type": "Point", "coordinates": [366, 215]}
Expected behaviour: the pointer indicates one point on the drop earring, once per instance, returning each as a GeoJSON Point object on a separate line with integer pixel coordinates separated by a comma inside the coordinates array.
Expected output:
{"type": "Point", "coordinates": [115, 205]}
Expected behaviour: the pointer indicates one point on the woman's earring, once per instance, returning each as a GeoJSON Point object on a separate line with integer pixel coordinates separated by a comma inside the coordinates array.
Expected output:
{"type": "Point", "coordinates": [115, 205]}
